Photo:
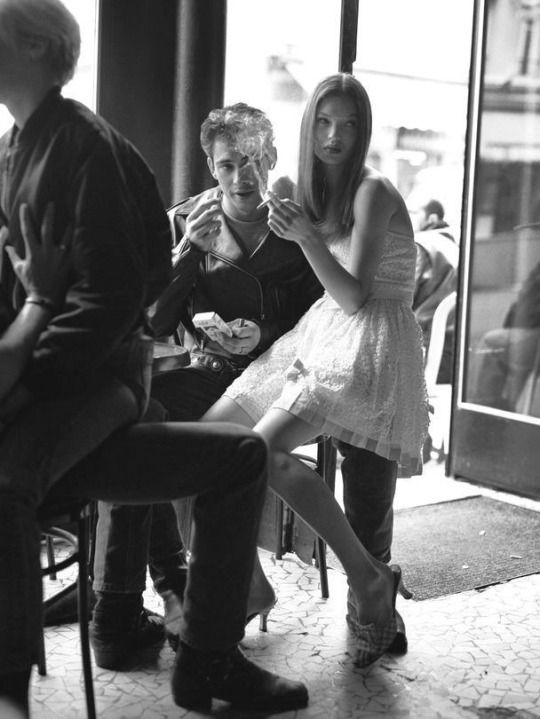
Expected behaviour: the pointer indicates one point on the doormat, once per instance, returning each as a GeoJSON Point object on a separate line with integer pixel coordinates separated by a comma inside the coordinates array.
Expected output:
{"type": "Point", "coordinates": [468, 543]}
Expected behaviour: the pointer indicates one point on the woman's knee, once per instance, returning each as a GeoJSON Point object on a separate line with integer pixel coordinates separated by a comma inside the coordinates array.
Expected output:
{"type": "Point", "coordinates": [282, 478]}
{"type": "Point", "coordinates": [253, 451]}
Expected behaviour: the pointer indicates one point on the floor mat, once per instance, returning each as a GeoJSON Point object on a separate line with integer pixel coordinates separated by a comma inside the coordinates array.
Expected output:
{"type": "Point", "coordinates": [464, 544]}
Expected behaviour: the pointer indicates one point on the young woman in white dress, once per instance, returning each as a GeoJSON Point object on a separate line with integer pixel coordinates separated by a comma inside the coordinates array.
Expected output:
{"type": "Point", "coordinates": [352, 367]}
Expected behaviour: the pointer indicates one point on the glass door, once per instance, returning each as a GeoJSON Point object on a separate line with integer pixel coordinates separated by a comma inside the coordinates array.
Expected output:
{"type": "Point", "coordinates": [496, 422]}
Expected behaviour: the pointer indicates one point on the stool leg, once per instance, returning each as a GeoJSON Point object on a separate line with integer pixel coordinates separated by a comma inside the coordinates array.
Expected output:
{"type": "Point", "coordinates": [82, 594]}
{"type": "Point", "coordinates": [320, 549]}
{"type": "Point", "coordinates": [49, 541]}
{"type": "Point", "coordinates": [280, 509]}
{"type": "Point", "coordinates": [42, 662]}
{"type": "Point", "coordinates": [326, 467]}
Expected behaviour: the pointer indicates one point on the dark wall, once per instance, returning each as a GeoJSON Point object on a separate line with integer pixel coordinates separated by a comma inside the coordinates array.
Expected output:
{"type": "Point", "coordinates": [136, 80]}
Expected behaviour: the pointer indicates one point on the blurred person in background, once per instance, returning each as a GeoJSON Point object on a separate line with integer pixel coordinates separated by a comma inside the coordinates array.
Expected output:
{"type": "Point", "coordinates": [437, 257]}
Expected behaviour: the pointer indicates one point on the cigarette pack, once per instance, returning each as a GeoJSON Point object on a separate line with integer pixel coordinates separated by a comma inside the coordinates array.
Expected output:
{"type": "Point", "coordinates": [211, 323]}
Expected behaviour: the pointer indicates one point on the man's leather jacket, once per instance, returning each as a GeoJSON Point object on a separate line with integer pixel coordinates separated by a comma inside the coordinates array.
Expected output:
{"type": "Point", "coordinates": [273, 287]}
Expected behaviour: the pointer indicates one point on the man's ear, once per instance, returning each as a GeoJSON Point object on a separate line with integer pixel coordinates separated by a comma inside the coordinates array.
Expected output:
{"type": "Point", "coordinates": [36, 48]}
{"type": "Point", "coordinates": [211, 167]}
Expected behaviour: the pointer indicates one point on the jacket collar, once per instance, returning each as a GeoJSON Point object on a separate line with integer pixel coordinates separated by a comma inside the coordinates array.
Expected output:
{"type": "Point", "coordinates": [226, 244]}
{"type": "Point", "coordinates": [34, 125]}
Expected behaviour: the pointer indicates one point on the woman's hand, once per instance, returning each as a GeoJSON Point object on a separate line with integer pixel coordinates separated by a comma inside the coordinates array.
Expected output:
{"type": "Point", "coordinates": [46, 267]}
{"type": "Point", "coordinates": [288, 220]}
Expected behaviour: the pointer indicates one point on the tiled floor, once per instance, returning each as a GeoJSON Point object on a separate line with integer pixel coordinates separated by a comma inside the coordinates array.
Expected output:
{"type": "Point", "coordinates": [474, 654]}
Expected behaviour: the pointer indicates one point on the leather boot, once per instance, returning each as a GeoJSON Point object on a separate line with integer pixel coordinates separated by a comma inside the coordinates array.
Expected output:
{"type": "Point", "coordinates": [198, 677]}
{"type": "Point", "coordinates": [63, 608]}
{"type": "Point", "coordinates": [121, 629]}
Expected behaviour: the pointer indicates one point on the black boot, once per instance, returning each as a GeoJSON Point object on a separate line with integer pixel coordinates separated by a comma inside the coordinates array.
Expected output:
{"type": "Point", "coordinates": [122, 629]}
{"type": "Point", "coordinates": [63, 608]}
{"type": "Point", "coordinates": [198, 677]}
{"type": "Point", "coordinates": [14, 692]}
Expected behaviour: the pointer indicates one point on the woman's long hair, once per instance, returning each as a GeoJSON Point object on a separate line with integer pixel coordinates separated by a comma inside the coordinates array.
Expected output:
{"type": "Point", "coordinates": [333, 214]}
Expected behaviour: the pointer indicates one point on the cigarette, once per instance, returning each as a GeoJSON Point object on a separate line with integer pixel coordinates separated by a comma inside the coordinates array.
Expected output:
{"type": "Point", "coordinates": [264, 203]}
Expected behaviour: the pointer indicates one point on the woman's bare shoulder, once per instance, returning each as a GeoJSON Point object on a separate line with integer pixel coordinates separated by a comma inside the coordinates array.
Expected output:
{"type": "Point", "coordinates": [380, 188]}
{"type": "Point", "coordinates": [376, 186]}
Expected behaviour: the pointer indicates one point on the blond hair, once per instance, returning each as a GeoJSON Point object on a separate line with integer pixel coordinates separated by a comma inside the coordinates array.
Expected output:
{"type": "Point", "coordinates": [50, 20]}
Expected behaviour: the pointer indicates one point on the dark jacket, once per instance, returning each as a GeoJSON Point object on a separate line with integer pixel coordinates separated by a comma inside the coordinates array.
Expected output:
{"type": "Point", "coordinates": [273, 287]}
{"type": "Point", "coordinates": [120, 238]}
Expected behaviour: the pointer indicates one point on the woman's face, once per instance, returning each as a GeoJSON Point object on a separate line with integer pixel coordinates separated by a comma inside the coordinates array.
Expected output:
{"type": "Point", "coordinates": [336, 129]}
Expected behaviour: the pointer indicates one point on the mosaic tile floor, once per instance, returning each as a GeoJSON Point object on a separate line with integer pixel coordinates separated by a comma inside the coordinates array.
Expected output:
{"type": "Point", "coordinates": [474, 654]}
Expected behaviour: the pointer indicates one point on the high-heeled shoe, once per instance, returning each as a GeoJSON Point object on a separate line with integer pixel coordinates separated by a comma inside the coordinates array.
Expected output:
{"type": "Point", "coordinates": [263, 615]}
{"type": "Point", "coordinates": [373, 640]}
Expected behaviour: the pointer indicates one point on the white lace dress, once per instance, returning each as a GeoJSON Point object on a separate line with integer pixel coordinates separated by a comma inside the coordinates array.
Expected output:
{"type": "Point", "coordinates": [358, 378]}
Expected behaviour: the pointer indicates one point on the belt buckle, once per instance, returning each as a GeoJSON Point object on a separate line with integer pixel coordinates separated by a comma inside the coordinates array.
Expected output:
{"type": "Point", "coordinates": [216, 364]}
{"type": "Point", "coordinates": [212, 362]}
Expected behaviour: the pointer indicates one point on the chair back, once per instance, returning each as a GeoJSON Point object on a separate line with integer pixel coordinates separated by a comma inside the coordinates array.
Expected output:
{"type": "Point", "coordinates": [436, 342]}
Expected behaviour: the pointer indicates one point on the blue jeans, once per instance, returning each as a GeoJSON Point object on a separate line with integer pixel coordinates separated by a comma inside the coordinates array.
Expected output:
{"type": "Point", "coordinates": [130, 538]}
{"type": "Point", "coordinates": [369, 486]}
{"type": "Point", "coordinates": [36, 450]}
{"type": "Point", "coordinates": [224, 467]}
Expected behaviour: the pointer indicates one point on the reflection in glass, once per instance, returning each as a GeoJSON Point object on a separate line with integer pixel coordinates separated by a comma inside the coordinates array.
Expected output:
{"type": "Point", "coordinates": [503, 357]}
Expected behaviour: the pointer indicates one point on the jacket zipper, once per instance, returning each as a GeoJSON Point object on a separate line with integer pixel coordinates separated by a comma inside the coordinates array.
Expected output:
{"type": "Point", "coordinates": [240, 269]}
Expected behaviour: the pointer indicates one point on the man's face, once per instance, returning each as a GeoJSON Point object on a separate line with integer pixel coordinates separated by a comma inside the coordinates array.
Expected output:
{"type": "Point", "coordinates": [240, 180]}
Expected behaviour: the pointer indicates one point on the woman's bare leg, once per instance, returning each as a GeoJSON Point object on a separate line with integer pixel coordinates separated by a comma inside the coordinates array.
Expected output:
{"type": "Point", "coordinates": [306, 493]}
{"type": "Point", "coordinates": [226, 410]}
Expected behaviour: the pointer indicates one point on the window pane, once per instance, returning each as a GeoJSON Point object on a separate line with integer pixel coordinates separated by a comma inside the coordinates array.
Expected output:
{"type": "Point", "coordinates": [503, 358]}
{"type": "Point", "coordinates": [277, 51]}
{"type": "Point", "coordinates": [413, 58]}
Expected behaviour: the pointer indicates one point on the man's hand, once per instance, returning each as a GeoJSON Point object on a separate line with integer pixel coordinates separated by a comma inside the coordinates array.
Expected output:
{"type": "Point", "coordinates": [246, 336]}
{"type": "Point", "coordinates": [46, 266]}
{"type": "Point", "coordinates": [203, 224]}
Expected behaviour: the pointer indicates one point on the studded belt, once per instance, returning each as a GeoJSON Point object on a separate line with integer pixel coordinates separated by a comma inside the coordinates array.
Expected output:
{"type": "Point", "coordinates": [216, 363]}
